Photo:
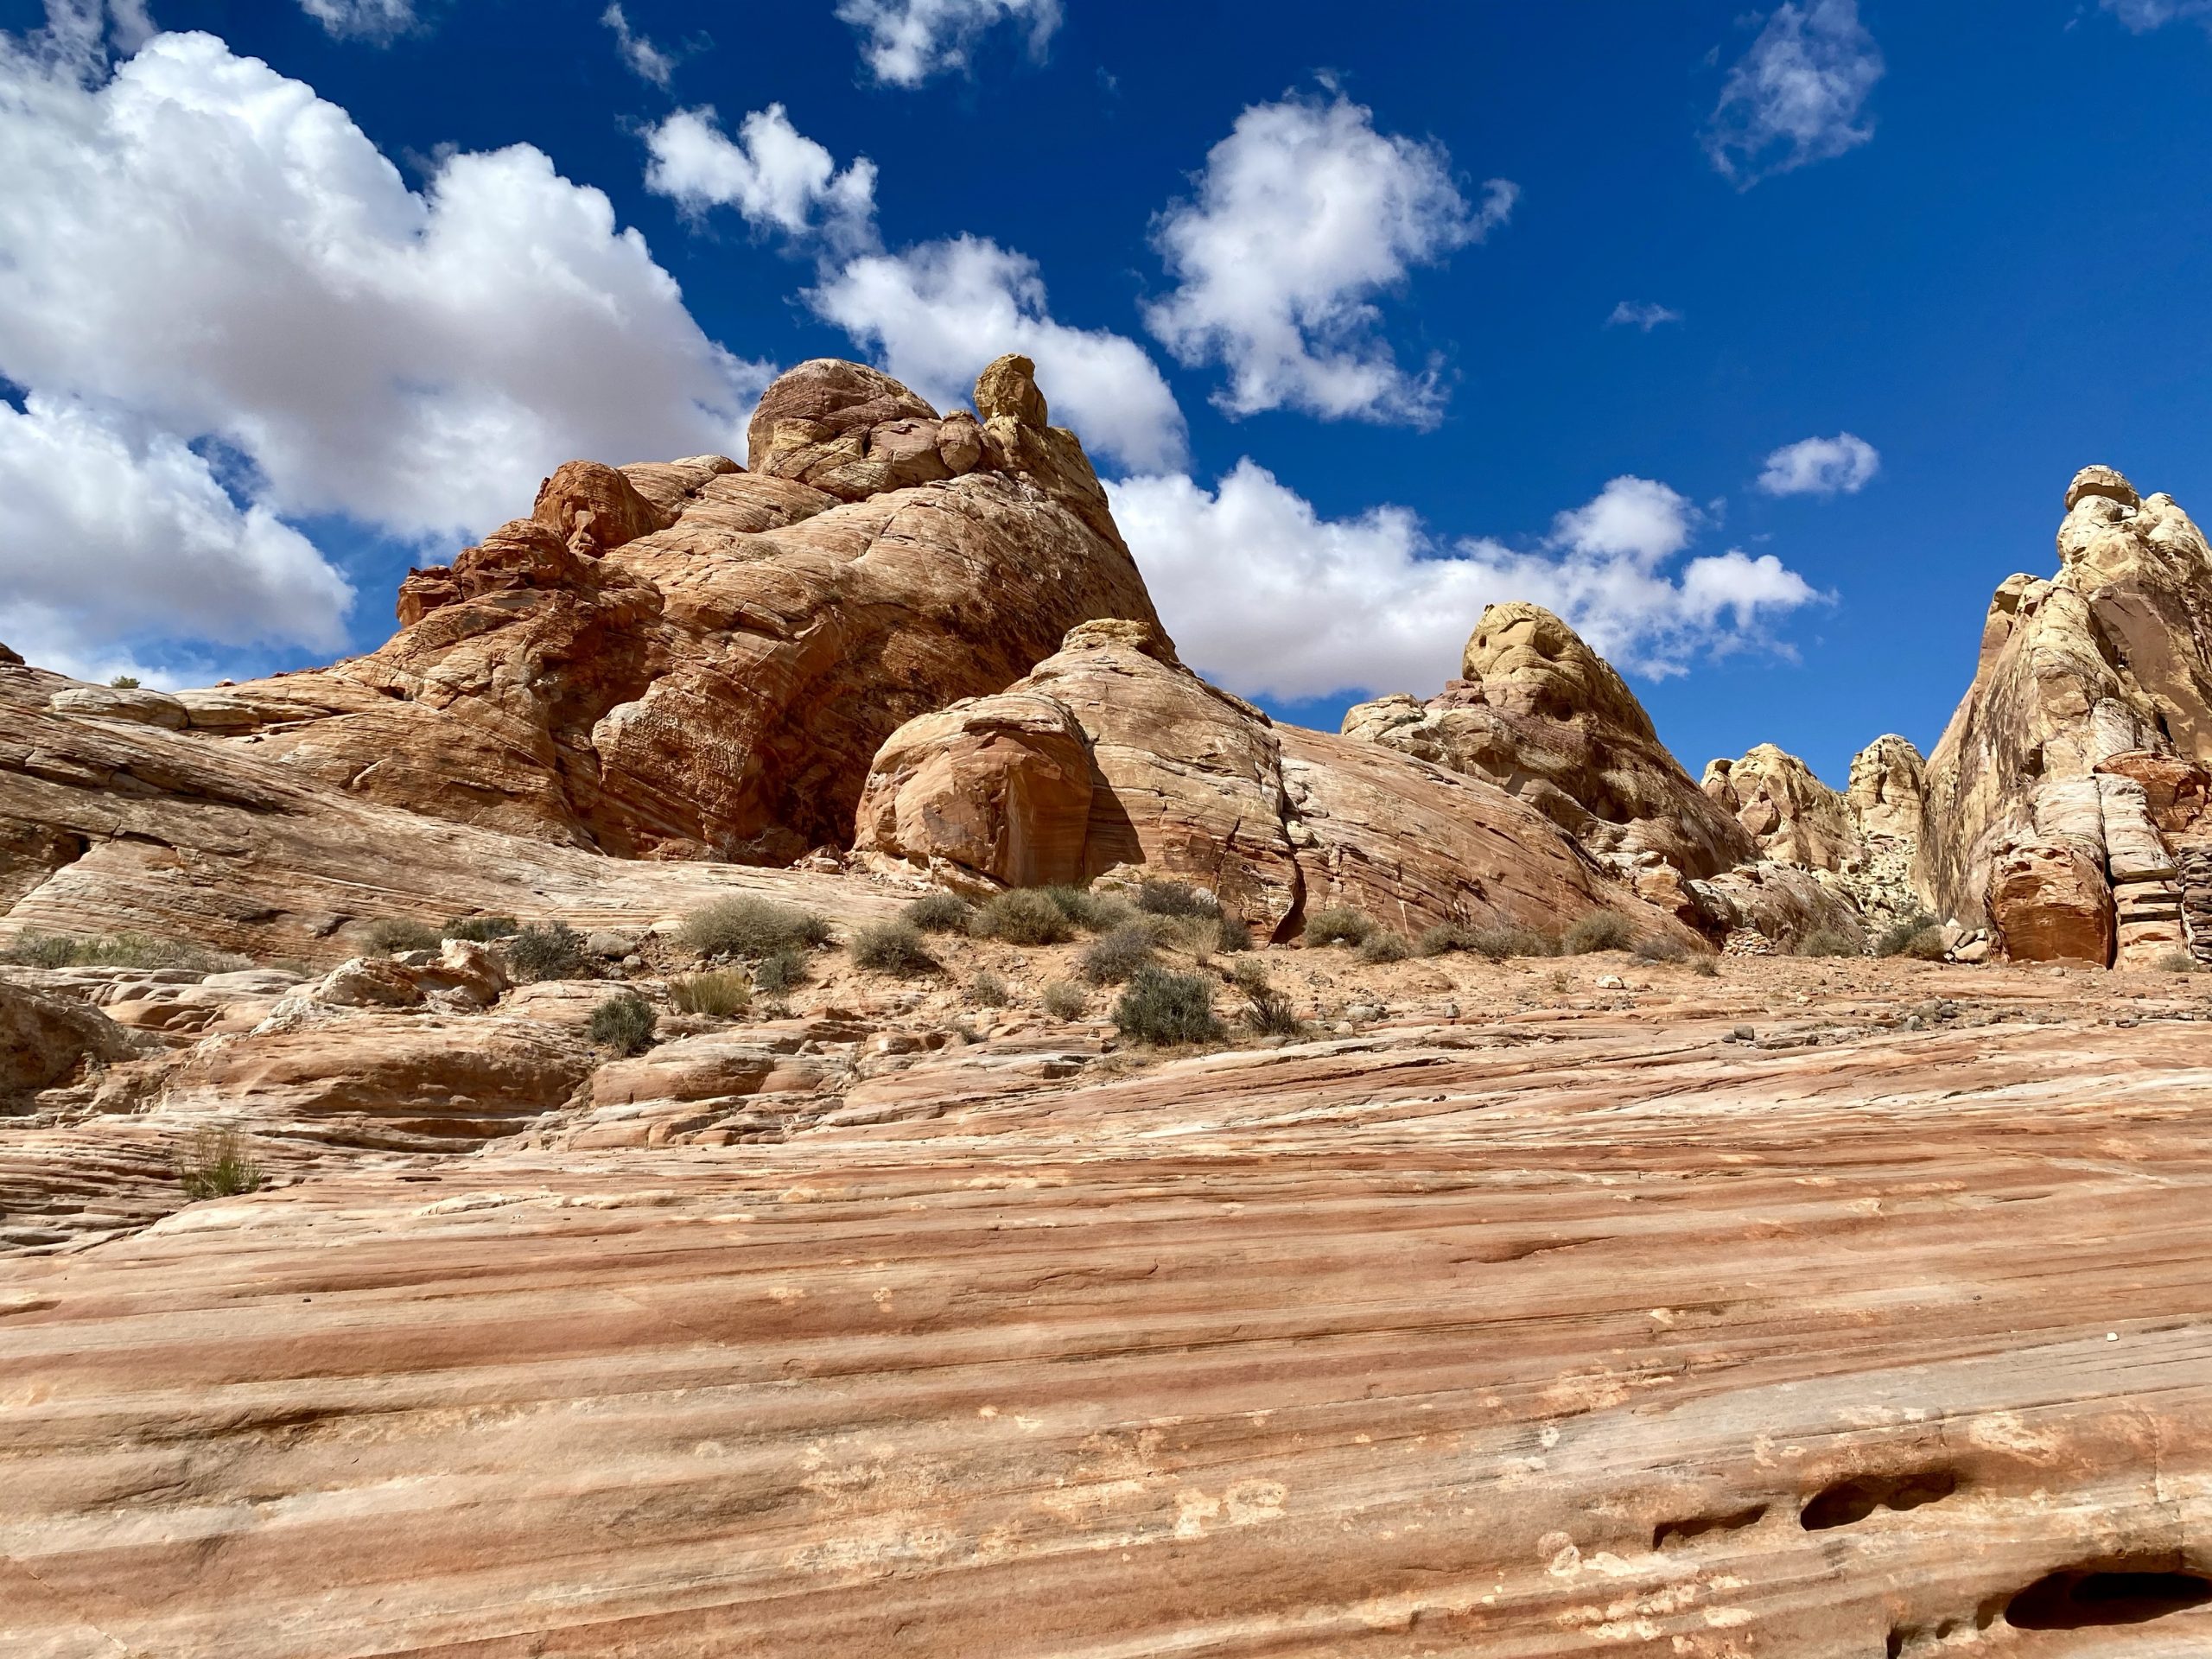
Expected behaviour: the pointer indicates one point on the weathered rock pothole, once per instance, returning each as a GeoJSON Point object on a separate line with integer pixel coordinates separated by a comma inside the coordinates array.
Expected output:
{"type": "Point", "coordinates": [2129, 1592]}
{"type": "Point", "coordinates": [1849, 1502]}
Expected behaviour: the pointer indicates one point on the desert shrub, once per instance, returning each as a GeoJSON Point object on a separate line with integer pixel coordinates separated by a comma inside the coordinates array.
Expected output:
{"type": "Point", "coordinates": [1383, 946]}
{"type": "Point", "coordinates": [1094, 912]}
{"type": "Point", "coordinates": [987, 991]}
{"type": "Point", "coordinates": [397, 933]}
{"type": "Point", "coordinates": [1112, 958]}
{"type": "Point", "coordinates": [1444, 940]}
{"type": "Point", "coordinates": [751, 928]}
{"type": "Point", "coordinates": [1176, 898]}
{"type": "Point", "coordinates": [1249, 974]}
{"type": "Point", "coordinates": [124, 683]}
{"type": "Point", "coordinates": [1705, 965]}
{"type": "Point", "coordinates": [1660, 947]}
{"type": "Point", "coordinates": [1339, 925]}
{"type": "Point", "coordinates": [940, 912]}
{"type": "Point", "coordinates": [553, 950]}
{"type": "Point", "coordinates": [1898, 938]}
{"type": "Point", "coordinates": [623, 1023]}
{"type": "Point", "coordinates": [2176, 961]}
{"type": "Point", "coordinates": [1164, 1009]}
{"type": "Point", "coordinates": [1230, 934]}
{"type": "Point", "coordinates": [217, 1164]}
{"type": "Point", "coordinates": [481, 930]}
{"type": "Point", "coordinates": [1601, 930]}
{"type": "Point", "coordinates": [779, 971]}
{"type": "Point", "coordinates": [34, 950]}
{"type": "Point", "coordinates": [1064, 1000]}
{"type": "Point", "coordinates": [893, 948]}
{"type": "Point", "coordinates": [1827, 942]}
{"type": "Point", "coordinates": [39, 950]}
{"type": "Point", "coordinates": [724, 995]}
{"type": "Point", "coordinates": [1024, 916]}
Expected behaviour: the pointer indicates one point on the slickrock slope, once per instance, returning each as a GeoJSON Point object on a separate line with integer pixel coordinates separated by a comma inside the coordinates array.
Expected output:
{"type": "Point", "coordinates": [2065, 800]}
{"type": "Point", "coordinates": [690, 660]}
{"type": "Point", "coordinates": [1572, 1326]}
{"type": "Point", "coordinates": [1111, 753]}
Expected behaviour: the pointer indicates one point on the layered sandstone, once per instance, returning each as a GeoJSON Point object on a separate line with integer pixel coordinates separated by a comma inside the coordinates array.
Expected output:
{"type": "Point", "coordinates": [692, 659]}
{"type": "Point", "coordinates": [1112, 753]}
{"type": "Point", "coordinates": [2039, 816]}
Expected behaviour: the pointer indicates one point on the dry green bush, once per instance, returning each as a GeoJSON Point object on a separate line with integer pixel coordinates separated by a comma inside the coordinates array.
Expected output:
{"type": "Point", "coordinates": [722, 995]}
{"type": "Point", "coordinates": [751, 929]}
{"type": "Point", "coordinates": [549, 950]}
{"type": "Point", "coordinates": [1601, 930]}
{"type": "Point", "coordinates": [217, 1164]}
{"type": "Point", "coordinates": [623, 1023]}
{"type": "Point", "coordinates": [1828, 942]}
{"type": "Point", "coordinates": [1024, 916]}
{"type": "Point", "coordinates": [1339, 925]}
{"type": "Point", "coordinates": [1165, 1010]}
{"type": "Point", "coordinates": [1064, 1000]}
{"type": "Point", "coordinates": [396, 933]}
{"type": "Point", "coordinates": [895, 948]}
{"type": "Point", "coordinates": [481, 930]}
{"type": "Point", "coordinates": [780, 970]}
{"type": "Point", "coordinates": [1383, 946]}
{"type": "Point", "coordinates": [1112, 958]}
{"type": "Point", "coordinates": [987, 991]}
{"type": "Point", "coordinates": [941, 912]}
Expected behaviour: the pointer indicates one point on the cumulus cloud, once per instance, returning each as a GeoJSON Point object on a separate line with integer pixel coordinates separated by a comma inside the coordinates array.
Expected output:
{"type": "Point", "coordinates": [1303, 215]}
{"type": "Point", "coordinates": [1843, 465]}
{"type": "Point", "coordinates": [108, 535]}
{"type": "Point", "coordinates": [2143, 16]}
{"type": "Point", "coordinates": [904, 42]}
{"type": "Point", "coordinates": [1645, 314]}
{"type": "Point", "coordinates": [778, 178]}
{"type": "Point", "coordinates": [1272, 600]}
{"type": "Point", "coordinates": [206, 245]}
{"type": "Point", "coordinates": [375, 20]}
{"type": "Point", "coordinates": [646, 60]}
{"type": "Point", "coordinates": [935, 314]}
{"type": "Point", "coordinates": [1799, 95]}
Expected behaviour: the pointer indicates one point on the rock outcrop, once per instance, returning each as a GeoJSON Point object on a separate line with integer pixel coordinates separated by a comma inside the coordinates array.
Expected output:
{"type": "Point", "coordinates": [2093, 688]}
{"type": "Point", "coordinates": [1112, 753]}
{"type": "Point", "coordinates": [694, 660]}
{"type": "Point", "coordinates": [45, 1040]}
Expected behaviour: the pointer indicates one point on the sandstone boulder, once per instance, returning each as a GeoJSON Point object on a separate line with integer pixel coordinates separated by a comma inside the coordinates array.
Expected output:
{"type": "Point", "coordinates": [10, 658]}
{"type": "Point", "coordinates": [717, 687]}
{"type": "Point", "coordinates": [1540, 714]}
{"type": "Point", "coordinates": [116, 702]}
{"type": "Point", "coordinates": [45, 1040]}
{"type": "Point", "coordinates": [2110, 658]}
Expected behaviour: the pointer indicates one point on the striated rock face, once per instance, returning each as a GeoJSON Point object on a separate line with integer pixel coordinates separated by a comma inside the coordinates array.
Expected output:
{"type": "Point", "coordinates": [2037, 817]}
{"type": "Point", "coordinates": [1112, 753]}
{"type": "Point", "coordinates": [1540, 714]}
{"type": "Point", "coordinates": [44, 1040]}
{"type": "Point", "coordinates": [689, 660]}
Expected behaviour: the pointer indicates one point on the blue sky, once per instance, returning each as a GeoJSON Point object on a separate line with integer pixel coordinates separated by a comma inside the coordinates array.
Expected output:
{"type": "Point", "coordinates": [1473, 302]}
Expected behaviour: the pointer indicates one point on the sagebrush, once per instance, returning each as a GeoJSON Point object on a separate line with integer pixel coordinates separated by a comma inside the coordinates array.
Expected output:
{"type": "Point", "coordinates": [1165, 1010]}
{"type": "Point", "coordinates": [895, 948]}
{"type": "Point", "coordinates": [751, 929]}
{"type": "Point", "coordinates": [1339, 925]}
{"type": "Point", "coordinates": [623, 1023]}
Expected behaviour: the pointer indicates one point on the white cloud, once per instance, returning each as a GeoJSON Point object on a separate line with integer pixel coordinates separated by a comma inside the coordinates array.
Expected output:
{"type": "Point", "coordinates": [108, 534]}
{"type": "Point", "coordinates": [1799, 94]}
{"type": "Point", "coordinates": [206, 245]}
{"type": "Point", "coordinates": [773, 174]}
{"type": "Point", "coordinates": [2143, 16]}
{"type": "Point", "coordinates": [369, 19]}
{"type": "Point", "coordinates": [1264, 595]}
{"type": "Point", "coordinates": [1303, 215]}
{"type": "Point", "coordinates": [935, 314]}
{"type": "Point", "coordinates": [645, 60]}
{"type": "Point", "coordinates": [1841, 465]}
{"type": "Point", "coordinates": [1646, 316]}
{"type": "Point", "coordinates": [907, 42]}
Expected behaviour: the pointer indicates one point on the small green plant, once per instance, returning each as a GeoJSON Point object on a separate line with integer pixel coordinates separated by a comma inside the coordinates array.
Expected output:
{"type": "Point", "coordinates": [217, 1164]}
{"type": "Point", "coordinates": [1268, 1011]}
{"type": "Point", "coordinates": [396, 933]}
{"type": "Point", "coordinates": [1024, 916]}
{"type": "Point", "coordinates": [1065, 1000]}
{"type": "Point", "coordinates": [1164, 1009]}
{"type": "Point", "coordinates": [751, 929]}
{"type": "Point", "coordinates": [1601, 930]}
{"type": "Point", "coordinates": [124, 683]}
{"type": "Point", "coordinates": [1113, 959]}
{"type": "Point", "coordinates": [623, 1023]}
{"type": "Point", "coordinates": [1092, 912]}
{"type": "Point", "coordinates": [30, 950]}
{"type": "Point", "coordinates": [940, 912]}
{"type": "Point", "coordinates": [36, 949]}
{"type": "Point", "coordinates": [554, 950]}
{"type": "Point", "coordinates": [1176, 898]}
{"type": "Point", "coordinates": [1911, 936]}
{"type": "Point", "coordinates": [1828, 942]}
{"type": "Point", "coordinates": [895, 948]}
{"type": "Point", "coordinates": [481, 930]}
{"type": "Point", "coordinates": [987, 991]}
{"type": "Point", "coordinates": [722, 995]}
{"type": "Point", "coordinates": [779, 971]}
{"type": "Point", "coordinates": [1383, 946]}
{"type": "Point", "coordinates": [1339, 925]}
